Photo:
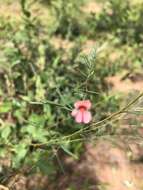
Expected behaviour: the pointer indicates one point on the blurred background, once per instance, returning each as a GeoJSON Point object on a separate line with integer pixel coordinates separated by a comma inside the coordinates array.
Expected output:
{"type": "Point", "coordinates": [53, 53]}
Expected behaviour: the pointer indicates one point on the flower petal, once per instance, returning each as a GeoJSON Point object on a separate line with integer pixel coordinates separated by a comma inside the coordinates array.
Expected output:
{"type": "Point", "coordinates": [78, 104]}
{"type": "Point", "coordinates": [74, 112]}
{"type": "Point", "coordinates": [79, 117]}
{"type": "Point", "coordinates": [84, 103]}
{"type": "Point", "coordinates": [87, 117]}
{"type": "Point", "coordinates": [87, 104]}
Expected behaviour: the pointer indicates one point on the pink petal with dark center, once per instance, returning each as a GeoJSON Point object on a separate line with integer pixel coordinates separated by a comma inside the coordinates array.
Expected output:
{"type": "Point", "coordinates": [87, 117]}
{"type": "Point", "coordinates": [78, 117]}
{"type": "Point", "coordinates": [83, 103]}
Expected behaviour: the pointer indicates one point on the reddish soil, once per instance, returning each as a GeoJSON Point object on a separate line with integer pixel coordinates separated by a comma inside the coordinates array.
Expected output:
{"type": "Point", "coordinates": [125, 86]}
{"type": "Point", "coordinates": [103, 166]}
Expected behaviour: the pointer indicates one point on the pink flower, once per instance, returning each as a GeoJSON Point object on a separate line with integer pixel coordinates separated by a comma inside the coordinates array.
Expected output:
{"type": "Point", "coordinates": [81, 111]}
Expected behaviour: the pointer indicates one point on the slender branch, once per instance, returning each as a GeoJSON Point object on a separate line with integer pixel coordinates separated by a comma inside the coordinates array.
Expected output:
{"type": "Point", "coordinates": [120, 111]}
{"type": "Point", "coordinates": [2, 187]}
{"type": "Point", "coordinates": [86, 129]}
{"type": "Point", "coordinates": [107, 118]}
{"type": "Point", "coordinates": [52, 103]}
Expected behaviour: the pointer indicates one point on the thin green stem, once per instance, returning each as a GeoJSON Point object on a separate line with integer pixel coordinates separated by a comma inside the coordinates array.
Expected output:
{"type": "Point", "coordinates": [120, 111]}
{"type": "Point", "coordinates": [86, 129]}
{"type": "Point", "coordinates": [52, 103]}
{"type": "Point", "coordinates": [107, 118]}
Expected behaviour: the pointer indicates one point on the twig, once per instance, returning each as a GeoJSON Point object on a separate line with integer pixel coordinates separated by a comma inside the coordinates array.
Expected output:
{"type": "Point", "coordinates": [2, 187]}
{"type": "Point", "coordinates": [52, 103]}
{"type": "Point", "coordinates": [86, 129]}
{"type": "Point", "coordinates": [107, 118]}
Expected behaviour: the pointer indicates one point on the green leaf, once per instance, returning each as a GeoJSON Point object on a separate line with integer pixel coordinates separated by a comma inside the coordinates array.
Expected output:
{"type": "Point", "coordinates": [38, 120]}
{"type": "Point", "coordinates": [24, 9]}
{"type": "Point", "coordinates": [48, 114]}
{"type": "Point", "coordinates": [36, 133]}
{"type": "Point", "coordinates": [2, 152]}
{"type": "Point", "coordinates": [45, 164]}
{"type": "Point", "coordinates": [5, 132]}
{"type": "Point", "coordinates": [65, 148]}
{"type": "Point", "coordinates": [5, 107]}
{"type": "Point", "coordinates": [40, 91]}
{"type": "Point", "coordinates": [20, 152]}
